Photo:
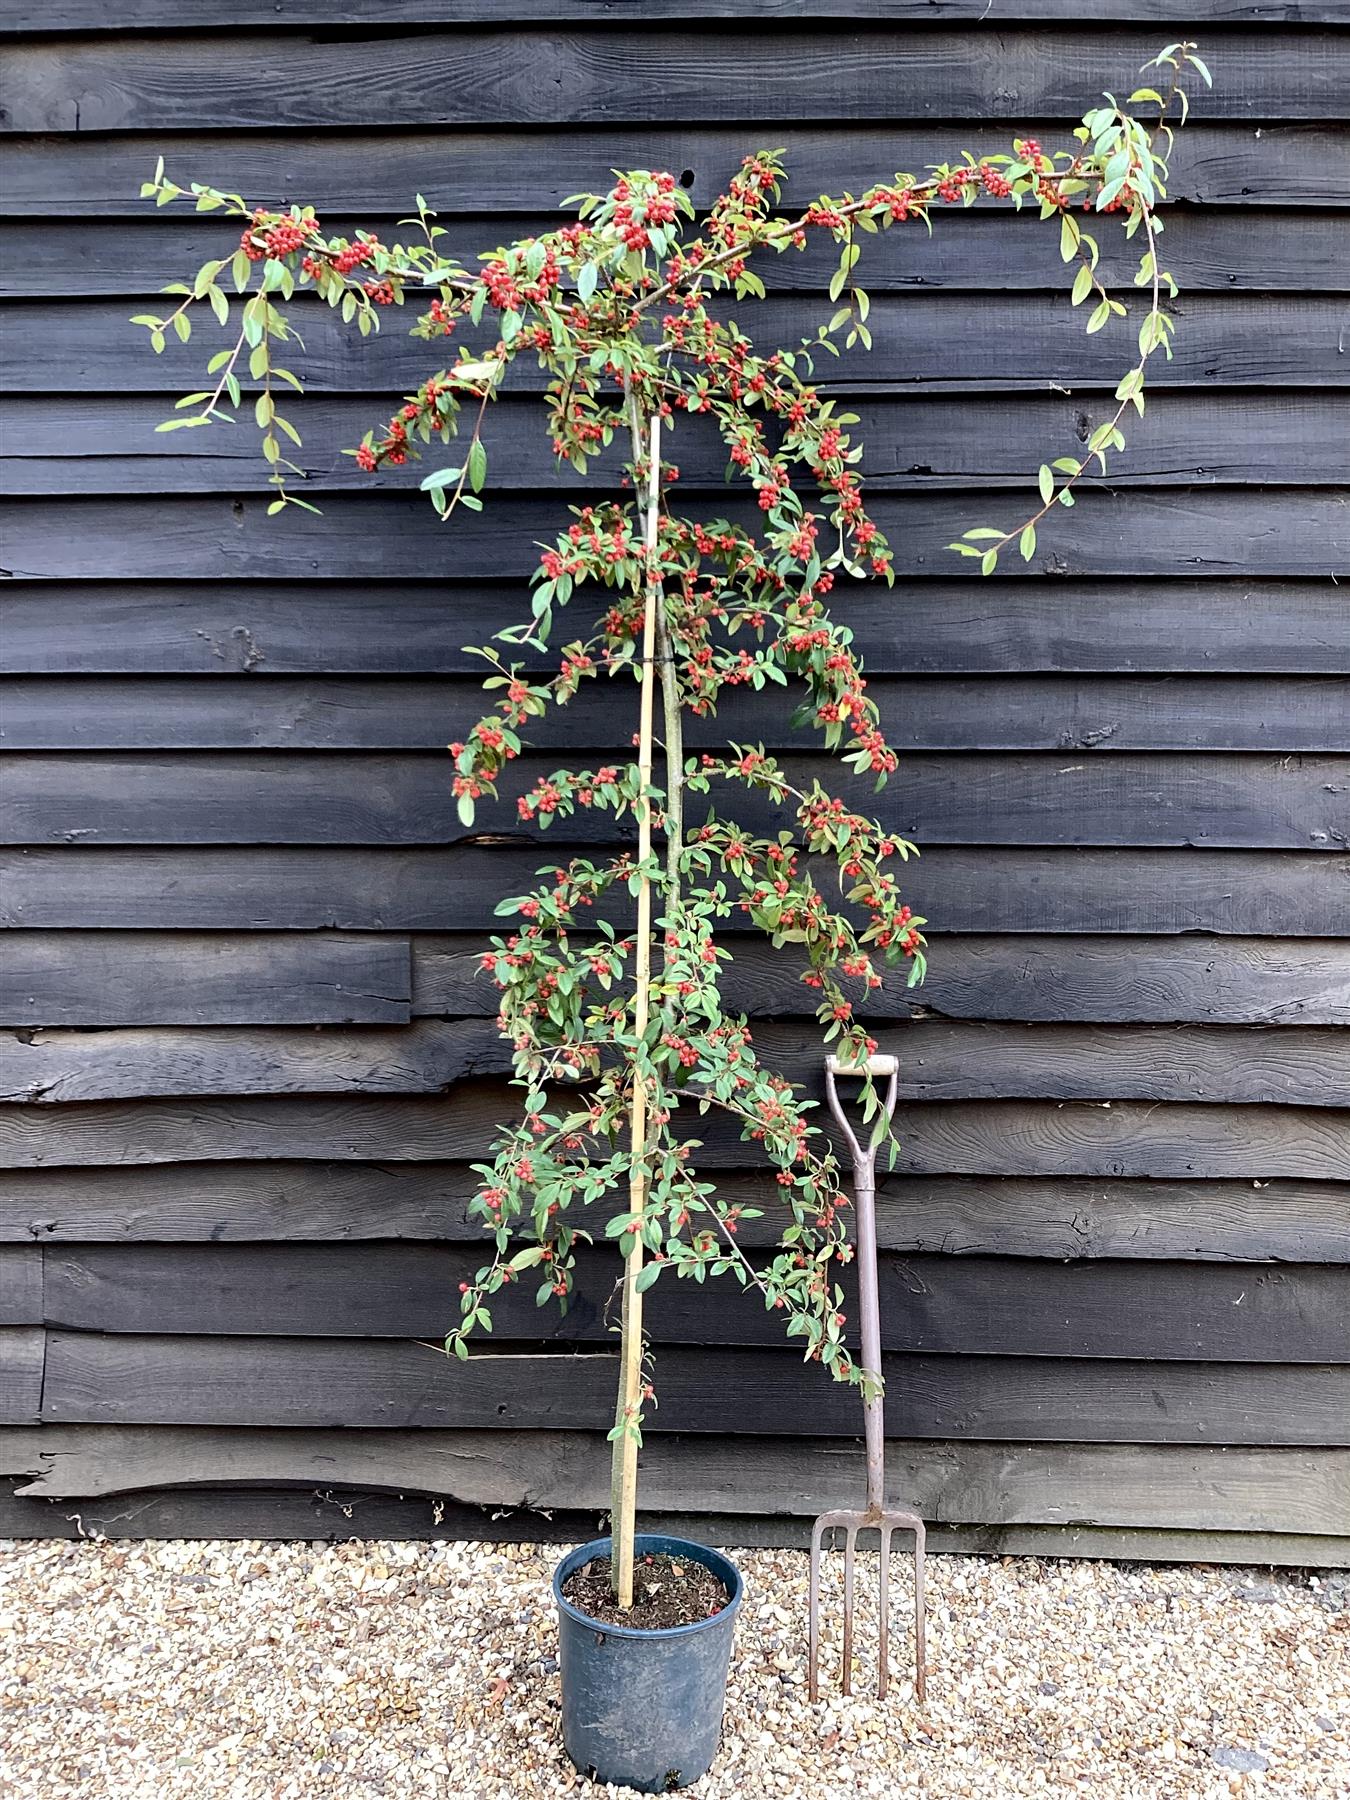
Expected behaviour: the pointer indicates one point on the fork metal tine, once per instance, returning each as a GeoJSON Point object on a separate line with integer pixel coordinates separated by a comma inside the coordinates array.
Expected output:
{"type": "Point", "coordinates": [851, 1523]}
{"type": "Point", "coordinates": [850, 1544]}
{"type": "Point", "coordinates": [884, 1631]}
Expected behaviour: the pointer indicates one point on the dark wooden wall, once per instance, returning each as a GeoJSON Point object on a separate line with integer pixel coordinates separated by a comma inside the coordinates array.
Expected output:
{"type": "Point", "coordinates": [246, 1061]}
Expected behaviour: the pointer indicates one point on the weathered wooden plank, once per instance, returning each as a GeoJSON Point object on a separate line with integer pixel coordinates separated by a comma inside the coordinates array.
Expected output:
{"type": "Point", "coordinates": [83, 16]}
{"type": "Point", "coordinates": [1201, 712]}
{"type": "Point", "coordinates": [955, 1483]}
{"type": "Point", "coordinates": [972, 1305]}
{"type": "Point", "coordinates": [102, 444]}
{"type": "Point", "coordinates": [1199, 533]}
{"type": "Point", "coordinates": [241, 1202]}
{"type": "Point", "coordinates": [941, 1059]}
{"type": "Point", "coordinates": [1222, 251]}
{"type": "Point", "coordinates": [479, 77]}
{"type": "Point", "coordinates": [22, 1351]}
{"type": "Point", "coordinates": [762, 981]}
{"type": "Point", "coordinates": [93, 979]}
{"type": "Point", "coordinates": [21, 1284]}
{"type": "Point", "coordinates": [337, 1515]}
{"type": "Point", "coordinates": [1214, 980]}
{"type": "Point", "coordinates": [415, 629]}
{"type": "Point", "coordinates": [1240, 800]}
{"type": "Point", "coordinates": [1178, 1141]}
{"type": "Point", "coordinates": [1004, 890]}
{"type": "Point", "coordinates": [342, 1381]}
{"type": "Point", "coordinates": [1019, 343]}
{"type": "Point", "coordinates": [511, 171]}
{"type": "Point", "coordinates": [57, 1066]}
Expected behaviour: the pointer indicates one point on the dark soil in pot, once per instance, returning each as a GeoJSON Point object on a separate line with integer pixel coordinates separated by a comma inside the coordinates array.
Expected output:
{"type": "Point", "coordinates": [667, 1591]}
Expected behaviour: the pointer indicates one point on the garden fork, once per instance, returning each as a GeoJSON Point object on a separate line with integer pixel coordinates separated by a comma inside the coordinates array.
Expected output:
{"type": "Point", "coordinates": [875, 1516]}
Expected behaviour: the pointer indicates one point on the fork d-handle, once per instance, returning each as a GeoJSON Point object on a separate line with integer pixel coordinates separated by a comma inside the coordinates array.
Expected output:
{"type": "Point", "coordinates": [869, 1303]}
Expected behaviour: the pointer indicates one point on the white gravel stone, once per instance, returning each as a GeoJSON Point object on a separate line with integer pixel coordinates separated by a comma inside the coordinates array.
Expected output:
{"type": "Point", "coordinates": [253, 1671]}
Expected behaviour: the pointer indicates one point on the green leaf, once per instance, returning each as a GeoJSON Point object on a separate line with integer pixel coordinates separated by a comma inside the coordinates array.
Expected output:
{"type": "Point", "coordinates": [464, 808]}
{"type": "Point", "coordinates": [1046, 482]}
{"type": "Point", "coordinates": [1027, 543]}
{"type": "Point", "coordinates": [1201, 70]}
{"type": "Point", "coordinates": [588, 276]}
{"type": "Point", "coordinates": [439, 478]}
{"type": "Point", "coordinates": [477, 465]}
{"type": "Point", "coordinates": [989, 562]}
{"type": "Point", "coordinates": [1099, 317]}
{"type": "Point", "coordinates": [476, 371]}
{"type": "Point", "coordinates": [646, 1275]}
{"type": "Point", "coordinates": [1082, 285]}
{"type": "Point", "coordinates": [1068, 238]}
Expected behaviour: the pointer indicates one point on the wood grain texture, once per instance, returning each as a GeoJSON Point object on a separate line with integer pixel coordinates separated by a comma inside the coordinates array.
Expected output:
{"type": "Point", "coordinates": [953, 1482]}
{"type": "Point", "coordinates": [1174, 1142]}
{"type": "Point", "coordinates": [20, 1284]}
{"type": "Point", "coordinates": [327, 1382]}
{"type": "Point", "coordinates": [22, 1351]}
{"type": "Point", "coordinates": [91, 979]}
{"type": "Point", "coordinates": [474, 171]}
{"type": "Point", "coordinates": [1264, 249]}
{"type": "Point", "coordinates": [1056, 1216]}
{"type": "Point", "coordinates": [999, 889]}
{"type": "Point", "coordinates": [986, 1306]}
{"type": "Point", "coordinates": [104, 444]}
{"type": "Point", "coordinates": [1015, 343]}
{"type": "Point", "coordinates": [1199, 533]}
{"type": "Point", "coordinates": [159, 15]}
{"type": "Point", "coordinates": [414, 629]}
{"type": "Point", "coordinates": [941, 1060]}
{"type": "Point", "coordinates": [595, 77]}
{"type": "Point", "coordinates": [1241, 801]}
{"type": "Point", "coordinates": [1109, 713]}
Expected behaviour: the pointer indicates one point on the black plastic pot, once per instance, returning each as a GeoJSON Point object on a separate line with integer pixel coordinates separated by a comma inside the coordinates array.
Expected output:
{"type": "Point", "coordinates": [645, 1707]}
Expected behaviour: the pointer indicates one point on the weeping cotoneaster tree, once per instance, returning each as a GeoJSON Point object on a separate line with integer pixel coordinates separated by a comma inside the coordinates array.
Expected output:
{"type": "Point", "coordinates": [627, 313]}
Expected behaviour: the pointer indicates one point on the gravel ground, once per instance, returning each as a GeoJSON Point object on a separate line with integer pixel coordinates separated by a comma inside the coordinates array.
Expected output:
{"type": "Point", "coordinates": [248, 1671]}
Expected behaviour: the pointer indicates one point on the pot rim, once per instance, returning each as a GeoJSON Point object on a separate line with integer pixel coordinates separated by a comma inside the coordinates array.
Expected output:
{"type": "Point", "coordinates": [672, 1546]}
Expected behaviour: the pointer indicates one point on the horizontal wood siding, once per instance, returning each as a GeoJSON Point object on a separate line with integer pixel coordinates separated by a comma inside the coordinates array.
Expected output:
{"type": "Point", "coordinates": [246, 1056]}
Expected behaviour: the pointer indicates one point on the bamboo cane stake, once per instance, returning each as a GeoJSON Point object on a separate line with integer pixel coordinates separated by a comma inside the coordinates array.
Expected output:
{"type": "Point", "coordinates": [623, 1488]}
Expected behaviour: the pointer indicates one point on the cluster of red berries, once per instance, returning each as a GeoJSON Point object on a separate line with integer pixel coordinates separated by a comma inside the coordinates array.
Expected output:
{"type": "Point", "coordinates": [633, 214]}
{"type": "Point", "coordinates": [355, 256]}
{"type": "Point", "coordinates": [439, 319]}
{"type": "Point", "coordinates": [282, 237]}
